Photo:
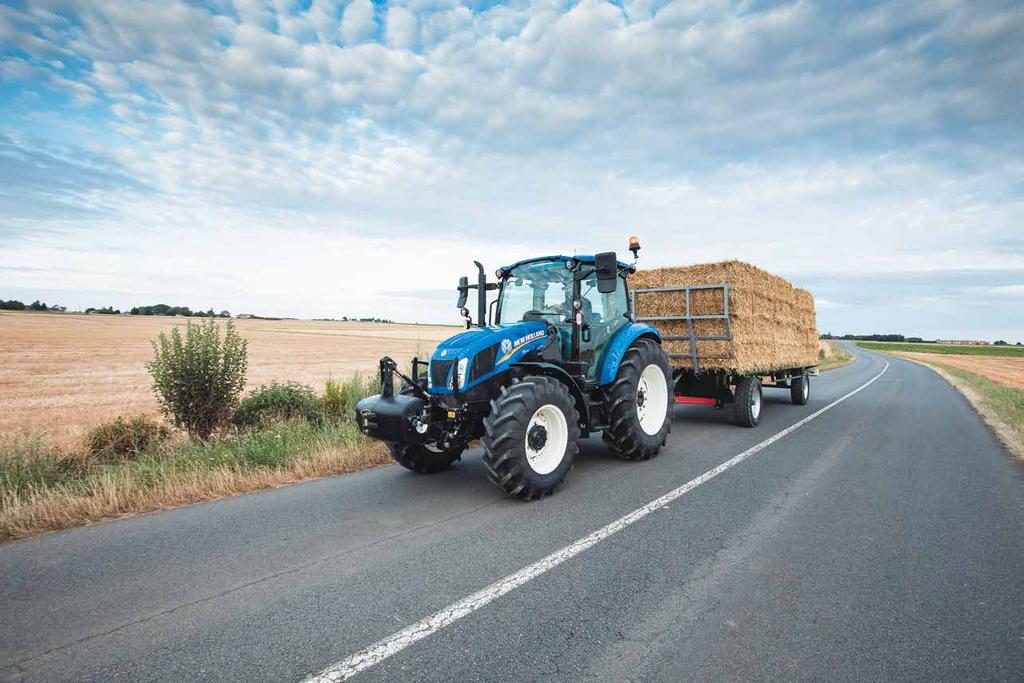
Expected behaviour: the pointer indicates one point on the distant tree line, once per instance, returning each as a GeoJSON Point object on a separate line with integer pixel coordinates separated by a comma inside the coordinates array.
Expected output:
{"type": "Point", "coordinates": [14, 304]}
{"type": "Point", "coordinates": [157, 309]}
{"type": "Point", "coordinates": [878, 337]}
{"type": "Point", "coordinates": [346, 319]}
{"type": "Point", "coordinates": [898, 338]}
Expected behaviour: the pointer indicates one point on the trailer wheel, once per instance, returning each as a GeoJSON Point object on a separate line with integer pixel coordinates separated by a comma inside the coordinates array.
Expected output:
{"type": "Point", "coordinates": [422, 459]}
{"type": "Point", "coordinates": [800, 389]}
{"type": "Point", "coordinates": [748, 401]}
{"type": "Point", "coordinates": [531, 437]}
{"type": "Point", "coordinates": [638, 402]}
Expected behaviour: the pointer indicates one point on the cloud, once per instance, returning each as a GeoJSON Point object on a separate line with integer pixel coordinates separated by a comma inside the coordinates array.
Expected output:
{"type": "Point", "coordinates": [807, 137]}
{"type": "Point", "coordinates": [357, 22]}
{"type": "Point", "coordinates": [43, 183]}
{"type": "Point", "coordinates": [401, 28]}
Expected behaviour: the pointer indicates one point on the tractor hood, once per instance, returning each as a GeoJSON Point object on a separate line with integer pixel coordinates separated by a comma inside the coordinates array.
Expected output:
{"type": "Point", "coordinates": [487, 351]}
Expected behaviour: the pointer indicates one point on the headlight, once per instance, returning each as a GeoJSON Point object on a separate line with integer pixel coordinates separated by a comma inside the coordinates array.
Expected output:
{"type": "Point", "coordinates": [463, 365]}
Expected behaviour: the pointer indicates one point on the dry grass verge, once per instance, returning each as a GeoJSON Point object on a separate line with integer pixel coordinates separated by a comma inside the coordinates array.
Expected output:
{"type": "Point", "coordinates": [833, 355]}
{"type": "Point", "coordinates": [44, 490]}
{"type": "Point", "coordinates": [1000, 406]}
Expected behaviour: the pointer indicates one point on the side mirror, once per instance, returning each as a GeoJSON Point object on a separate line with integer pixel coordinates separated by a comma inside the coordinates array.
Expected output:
{"type": "Point", "coordinates": [607, 268]}
{"type": "Point", "coordinates": [463, 292]}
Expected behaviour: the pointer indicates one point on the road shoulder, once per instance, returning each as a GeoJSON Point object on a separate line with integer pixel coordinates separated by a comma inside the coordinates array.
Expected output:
{"type": "Point", "coordinates": [1009, 432]}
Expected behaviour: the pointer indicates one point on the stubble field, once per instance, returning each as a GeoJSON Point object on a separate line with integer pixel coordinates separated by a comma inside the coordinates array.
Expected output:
{"type": "Point", "coordinates": [62, 374]}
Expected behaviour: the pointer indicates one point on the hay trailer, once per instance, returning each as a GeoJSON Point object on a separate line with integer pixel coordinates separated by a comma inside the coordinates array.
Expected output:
{"type": "Point", "coordinates": [693, 383]}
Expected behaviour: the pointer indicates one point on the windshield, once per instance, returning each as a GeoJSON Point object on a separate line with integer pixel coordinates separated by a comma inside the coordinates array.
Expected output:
{"type": "Point", "coordinates": [537, 291]}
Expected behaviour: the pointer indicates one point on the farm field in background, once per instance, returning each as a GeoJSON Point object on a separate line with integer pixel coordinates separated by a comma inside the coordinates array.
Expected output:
{"type": "Point", "coordinates": [1001, 370]}
{"type": "Point", "coordinates": [62, 374]}
{"type": "Point", "coordinates": [951, 349]}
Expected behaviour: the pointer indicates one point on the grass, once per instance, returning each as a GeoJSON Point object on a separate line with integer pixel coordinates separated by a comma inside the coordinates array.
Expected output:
{"type": "Point", "coordinates": [951, 349]}
{"type": "Point", "coordinates": [44, 488]}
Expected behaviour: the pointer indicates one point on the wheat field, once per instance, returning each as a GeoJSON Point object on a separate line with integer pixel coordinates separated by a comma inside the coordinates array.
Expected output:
{"type": "Point", "coordinates": [61, 374]}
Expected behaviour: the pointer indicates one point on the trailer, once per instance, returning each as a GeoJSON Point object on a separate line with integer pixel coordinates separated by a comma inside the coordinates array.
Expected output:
{"type": "Point", "coordinates": [693, 384]}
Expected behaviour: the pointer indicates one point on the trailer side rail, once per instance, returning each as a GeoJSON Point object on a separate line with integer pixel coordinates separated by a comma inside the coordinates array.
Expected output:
{"type": "Point", "coordinates": [689, 319]}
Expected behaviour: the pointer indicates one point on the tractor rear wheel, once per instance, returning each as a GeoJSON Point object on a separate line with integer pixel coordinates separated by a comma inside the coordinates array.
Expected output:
{"type": "Point", "coordinates": [638, 402]}
{"type": "Point", "coordinates": [530, 437]}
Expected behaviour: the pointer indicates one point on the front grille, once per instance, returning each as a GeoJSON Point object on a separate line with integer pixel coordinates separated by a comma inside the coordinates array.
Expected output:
{"type": "Point", "coordinates": [483, 362]}
{"type": "Point", "coordinates": [439, 370]}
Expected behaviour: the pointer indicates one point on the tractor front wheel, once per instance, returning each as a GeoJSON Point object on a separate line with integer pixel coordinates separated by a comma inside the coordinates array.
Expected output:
{"type": "Point", "coordinates": [638, 402]}
{"type": "Point", "coordinates": [423, 459]}
{"type": "Point", "coordinates": [530, 437]}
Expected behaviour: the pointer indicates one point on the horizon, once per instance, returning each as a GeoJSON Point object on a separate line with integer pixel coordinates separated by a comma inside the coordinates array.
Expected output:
{"type": "Point", "coordinates": [199, 313]}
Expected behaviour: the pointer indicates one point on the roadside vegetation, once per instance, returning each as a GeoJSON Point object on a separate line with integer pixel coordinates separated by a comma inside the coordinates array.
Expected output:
{"type": "Point", "coordinates": [223, 444]}
{"type": "Point", "coordinates": [832, 355]}
{"type": "Point", "coordinates": [1004, 350]}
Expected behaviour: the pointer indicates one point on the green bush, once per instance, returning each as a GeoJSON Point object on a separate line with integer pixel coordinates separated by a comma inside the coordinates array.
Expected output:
{"type": "Point", "coordinates": [197, 379]}
{"type": "Point", "coordinates": [27, 464]}
{"type": "Point", "coordinates": [279, 402]}
{"type": "Point", "coordinates": [125, 439]}
{"type": "Point", "coordinates": [340, 398]}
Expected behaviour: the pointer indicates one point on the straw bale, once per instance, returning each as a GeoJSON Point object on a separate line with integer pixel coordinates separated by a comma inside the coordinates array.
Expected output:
{"type": "Point", "coordinates": [773, 323]}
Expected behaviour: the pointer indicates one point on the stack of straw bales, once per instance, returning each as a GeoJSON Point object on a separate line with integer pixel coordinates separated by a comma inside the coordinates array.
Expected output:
{"type": "Point", "coordinates": [773, 323]}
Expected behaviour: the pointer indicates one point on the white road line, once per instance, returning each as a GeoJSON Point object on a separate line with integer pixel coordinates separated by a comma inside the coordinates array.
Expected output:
{"type": "Point", "coordinates": [398, 641]}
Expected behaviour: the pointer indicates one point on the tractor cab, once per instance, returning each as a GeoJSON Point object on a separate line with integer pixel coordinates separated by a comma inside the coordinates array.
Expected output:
{"type": "Point", "coordinates": [566, 294]}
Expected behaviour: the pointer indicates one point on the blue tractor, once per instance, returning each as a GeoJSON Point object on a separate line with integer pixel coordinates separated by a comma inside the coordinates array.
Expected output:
{"type": "Point", "coordinates": [562, 358]}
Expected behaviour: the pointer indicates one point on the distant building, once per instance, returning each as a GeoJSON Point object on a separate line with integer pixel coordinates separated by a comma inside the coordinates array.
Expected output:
{"type": "Point", "coordinates": [964, 342]}
{"type": "Point", "coordinates": [241, 316]}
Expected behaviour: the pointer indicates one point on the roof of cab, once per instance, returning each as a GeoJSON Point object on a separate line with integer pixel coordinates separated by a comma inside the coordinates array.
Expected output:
{"type": "Point", "coordinates": [582, 258]}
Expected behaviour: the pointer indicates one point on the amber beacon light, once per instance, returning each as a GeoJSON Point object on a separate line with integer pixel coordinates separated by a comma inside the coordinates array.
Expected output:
{"type": "Point", "coordinates": [634, 244]}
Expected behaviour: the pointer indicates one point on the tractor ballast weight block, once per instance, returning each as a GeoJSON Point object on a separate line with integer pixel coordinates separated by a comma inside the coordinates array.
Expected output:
{"type": "Point", "coordinates": [390, 418]}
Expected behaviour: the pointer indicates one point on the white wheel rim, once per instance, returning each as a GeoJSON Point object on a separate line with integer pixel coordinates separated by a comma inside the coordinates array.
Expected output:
{"type": "Point", "coordinates": [806, 388]}
{"type": "Point", "coordinates": [550, 439]}
{"type": "Point", "coordinates": [651, 399]}
{"type": "Point", "coordinates": [755, 403]}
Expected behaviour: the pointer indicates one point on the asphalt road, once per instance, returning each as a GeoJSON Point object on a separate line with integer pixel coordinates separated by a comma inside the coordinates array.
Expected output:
{"type": "Point", "coordinates": [882, 540]}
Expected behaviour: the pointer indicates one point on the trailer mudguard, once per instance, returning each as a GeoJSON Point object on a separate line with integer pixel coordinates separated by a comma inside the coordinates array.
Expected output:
{"type": "Point", "coordinates": [617, 347]}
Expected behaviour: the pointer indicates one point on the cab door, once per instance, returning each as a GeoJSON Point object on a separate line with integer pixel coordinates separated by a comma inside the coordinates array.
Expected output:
{"type": "Point", "coordinates": [603, 315]}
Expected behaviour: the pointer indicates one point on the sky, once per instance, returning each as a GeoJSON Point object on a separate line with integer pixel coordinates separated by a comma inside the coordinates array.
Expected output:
{"type": "Point", "coordinates": [320, 159]}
